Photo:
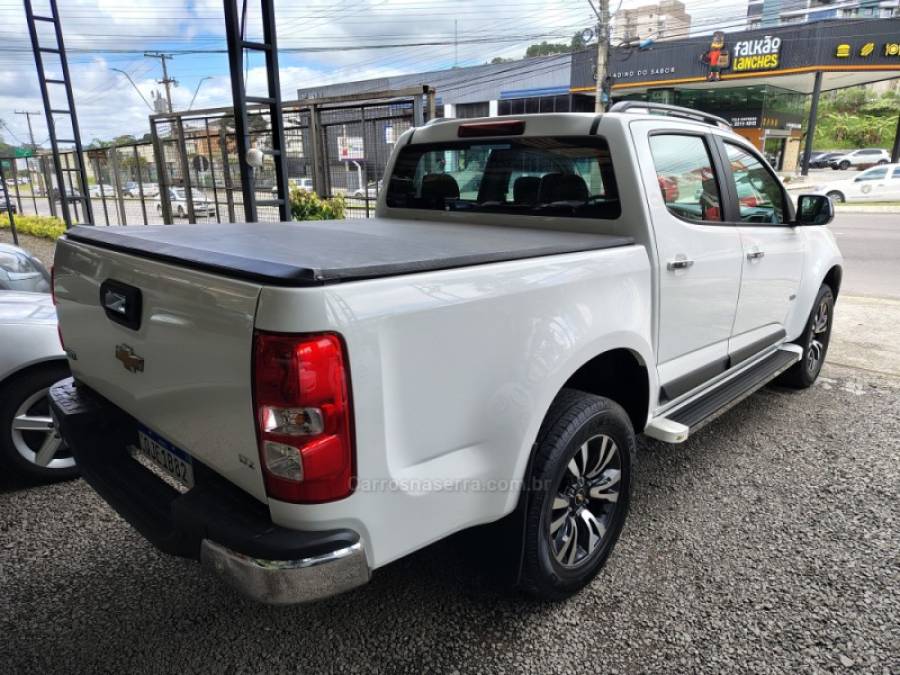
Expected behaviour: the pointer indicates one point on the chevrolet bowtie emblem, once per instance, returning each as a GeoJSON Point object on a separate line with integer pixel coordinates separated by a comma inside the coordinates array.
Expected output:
{"type": "Point", "coordinates": [132, 362]}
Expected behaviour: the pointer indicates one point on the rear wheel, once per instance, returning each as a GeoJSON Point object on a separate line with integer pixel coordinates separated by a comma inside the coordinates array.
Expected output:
{"type": "Point", "coordinates": [836, 196]}
{"type": "Point", "coordinates": [882, 162]}
{"type": "Point", "coordinates": [29, 441]}
{"type": "Point", "coordinates": [844, 165]}
{"type": "Point", "coordinates": [580, 487]}
{"type": "Point", "coordinates": [814, 340]}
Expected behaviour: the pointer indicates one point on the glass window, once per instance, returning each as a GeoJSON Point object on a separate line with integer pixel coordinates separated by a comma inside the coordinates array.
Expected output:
{"type": "Point", "coordinates": [545, 176]}
{"type": "Point", "coordinates": [873, 174]}
{"type": "Point", "coordinates": [686, 177]}
{"type": "Point", "coordinates": [760, 198]}
{"type": "Point", "coordinates": [16, 263]}
{"type": "Point", "coordinates": [896, 174]}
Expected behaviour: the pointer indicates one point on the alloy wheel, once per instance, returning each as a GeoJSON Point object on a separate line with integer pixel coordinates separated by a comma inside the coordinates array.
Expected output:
{"type": "Point", "coordinates": [35, 436]}
{"type": "Point", "coordinates": [585, 501]}
{"type": "Point", "coordinates": [818, 338]}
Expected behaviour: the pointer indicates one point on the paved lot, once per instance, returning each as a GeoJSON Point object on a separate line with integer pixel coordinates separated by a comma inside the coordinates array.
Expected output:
{"type": "Point", "coordinates": [767, 543]}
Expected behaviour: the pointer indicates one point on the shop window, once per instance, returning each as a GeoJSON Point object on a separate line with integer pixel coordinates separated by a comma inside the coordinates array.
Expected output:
{"type": "Point", "coordinates": [686, 177]}
{"type": "Point", "coordinates": [466, 110]}
{"type": "Point", "coordinates": [760, 198]}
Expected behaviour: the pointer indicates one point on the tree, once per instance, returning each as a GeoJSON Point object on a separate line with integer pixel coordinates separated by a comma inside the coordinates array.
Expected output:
{"type": "Point", "coordinates": [546, 48]}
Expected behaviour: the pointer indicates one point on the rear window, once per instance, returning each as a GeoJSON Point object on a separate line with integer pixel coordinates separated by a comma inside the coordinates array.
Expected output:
{"type": "Point", "coordinates": [540, 176]}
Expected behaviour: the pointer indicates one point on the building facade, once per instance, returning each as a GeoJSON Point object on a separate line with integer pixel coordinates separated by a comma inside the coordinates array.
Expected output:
{"type": "Point", "coordinates": [665, 20]}
{"type": "Point", "coordinates": [770, 13]}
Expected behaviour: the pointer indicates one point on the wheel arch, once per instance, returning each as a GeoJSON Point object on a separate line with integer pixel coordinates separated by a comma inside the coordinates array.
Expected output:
{"type": "Point", "coordinates": [833, 279]}
{"type": "Point", "coordinates": [30, 367]}
{"type": "Point", "coordinates": [620, 375]}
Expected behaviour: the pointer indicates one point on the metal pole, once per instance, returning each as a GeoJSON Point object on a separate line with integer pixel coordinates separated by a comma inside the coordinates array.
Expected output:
{"type": "Point", "coordinates": [9, 213]}
{"type": "Point", "coordinates": [212, 169]}
{"type": "Point", "coordinates": [226, 172]}
{"type": "Point", "coordinates": [117, 184]}
{"type": "Point", "coordinates": [28, 166]}
{"type": "Point", "coordinates": [185, 170]}
{"type": "Point", "coordinates": [811, 124]}
{"type": "Point", "coordinates": [15, 175]}
{"type": "Point", "coordinates": [162, 174]}
{"type": "Point", "coordinates": [28, 115]}
{"type": "Point", "coordinates": [48, 185]}
{"type": "Point", "coordinates": [96, 162]}
{"type": "Point", "coordinates": [602, 54]}
{"type": "Point", "coordinates": [895, 151]}
{"type": "Point", "coordinates": [140, 182]}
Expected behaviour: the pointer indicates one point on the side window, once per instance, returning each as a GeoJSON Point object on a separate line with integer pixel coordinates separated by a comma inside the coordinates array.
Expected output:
{"type": "Point", "coordinates": [873, 174]}
{"type": "Point", "coordinates": [896, 174]}
{"type": "Point", "coordinates": [686, 177]}
{"type": "Point", "coordinates": [759, 193]}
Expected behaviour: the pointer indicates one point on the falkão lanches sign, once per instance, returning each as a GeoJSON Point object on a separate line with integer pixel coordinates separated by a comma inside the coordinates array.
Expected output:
{"type": "Point", "coordinates": [759, 54]}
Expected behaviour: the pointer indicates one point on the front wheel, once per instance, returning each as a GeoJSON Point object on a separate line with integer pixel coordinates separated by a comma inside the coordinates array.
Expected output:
{"type": "Point", "coordinates": [844, 165]}
{"type": "Point", "coordinates": [29, 441]}
{"type": "Point", "coordinates": [836, 196]}
{"type": "Point", "coordinates": [580, 484]}
{"type": "Point", "coordinates": [814, 340]}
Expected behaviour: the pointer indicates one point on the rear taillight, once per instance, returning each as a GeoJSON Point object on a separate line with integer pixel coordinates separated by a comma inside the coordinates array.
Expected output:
{"type": "Point", "coordinates": [302, 402]}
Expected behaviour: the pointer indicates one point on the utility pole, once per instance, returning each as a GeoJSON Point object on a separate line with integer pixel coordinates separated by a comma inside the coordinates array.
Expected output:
{"type": "Point", "coordinates": [167, 81]}
{"type": "Point", "coordinates": [602, 51]}
{"type": "Point", "coordinates": [28, 115]}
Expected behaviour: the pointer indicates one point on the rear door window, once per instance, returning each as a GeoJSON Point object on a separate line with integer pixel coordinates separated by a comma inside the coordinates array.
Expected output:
{"type": "Point", "coordinates": [544, 176]}
{"type": "Point", "coordinates": [687, 181]}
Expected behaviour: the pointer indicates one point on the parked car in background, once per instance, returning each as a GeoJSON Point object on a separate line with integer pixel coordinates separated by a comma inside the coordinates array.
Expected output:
{"type": "Point", "coordinates": [102, 191]}
{"type": "Point", "coordinates": [6, 203]}
{"type": "Point", "coordinates": [820, 160]}
{"type": "Point", "coordinates": [133, 189]}
{"type": "Point", "coordinates": [860, 159]}
{"type": "Point", "coordinates": [31, 359]}
{"type": "Point", "coordinates": [203, 206]}
{"type": "Point", "coordinates": [371, 191]}
{"type": "Point", "coordinates": [880, 183]}
{"type": "Point", "coordinates": [21, 271]}
{"type": "Point", "coordinates": [304, 184]}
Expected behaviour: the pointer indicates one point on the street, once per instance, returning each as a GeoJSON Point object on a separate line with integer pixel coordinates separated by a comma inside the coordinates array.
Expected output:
{"type": "Point", "coordinates": [766, 543]}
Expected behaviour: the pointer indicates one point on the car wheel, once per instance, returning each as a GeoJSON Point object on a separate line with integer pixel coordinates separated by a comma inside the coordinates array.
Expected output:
{"type": "Point", "coordinates": [836, 196]}
{"type": "Point", "coordinates": [30, 443]}
{"type": "Point", "coordinates": [844, 165]}
{"type": "Point", "coordinates": [814, 340]}
{"type": "Point", "coordinates": [882, 162]}
{"type": "Point", "coordinates": [578, 494]}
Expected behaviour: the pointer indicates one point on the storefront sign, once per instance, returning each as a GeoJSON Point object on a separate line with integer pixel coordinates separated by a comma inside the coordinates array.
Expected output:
{"type": "Point", "coordinates": [759, 54]}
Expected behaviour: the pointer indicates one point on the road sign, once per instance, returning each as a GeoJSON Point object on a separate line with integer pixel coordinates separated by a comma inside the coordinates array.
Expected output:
{"type": "Point", "coordinates": [351, 147]}
{"type": "Point", "coordinates": [24, 152]}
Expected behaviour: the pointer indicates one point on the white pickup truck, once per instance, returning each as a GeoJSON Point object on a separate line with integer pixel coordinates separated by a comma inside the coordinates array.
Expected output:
{"type": "Point", "coordinates": [299, 404]}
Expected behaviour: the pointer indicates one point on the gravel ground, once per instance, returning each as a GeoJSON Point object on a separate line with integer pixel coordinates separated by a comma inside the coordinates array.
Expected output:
{"type": "Point", "coordinates": [768, 543]}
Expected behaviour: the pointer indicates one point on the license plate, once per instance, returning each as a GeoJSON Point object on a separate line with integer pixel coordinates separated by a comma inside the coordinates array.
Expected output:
{"type": "Point", "coordinates": [172, 461]}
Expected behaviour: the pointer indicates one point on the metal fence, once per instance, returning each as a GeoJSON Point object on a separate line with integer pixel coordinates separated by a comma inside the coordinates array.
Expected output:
{"type": "Point", "coordinates": [189, 171]}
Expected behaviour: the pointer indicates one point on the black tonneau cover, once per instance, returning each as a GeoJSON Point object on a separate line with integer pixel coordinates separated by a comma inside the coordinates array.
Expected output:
{"type": "Point", "coordinates": [320, 252]}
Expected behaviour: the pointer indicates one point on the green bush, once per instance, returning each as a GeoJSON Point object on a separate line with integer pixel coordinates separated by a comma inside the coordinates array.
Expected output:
{"type": "Point", "coordinates": [309, 206]}
{"type": "Point", "coordinates": [46, 227]}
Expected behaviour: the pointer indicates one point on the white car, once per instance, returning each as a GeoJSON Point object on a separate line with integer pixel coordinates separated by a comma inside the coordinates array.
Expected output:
{"type": "Point", "coordinates": [203, 206]}
{"type": "Point", "coordinates": [98, 191]}
{"type": "Point", "coordinates": [304, 184]}
{"type": "Point", "coordinates": [31, 359]}
{"type": "Point", "coordinates": [860, 158]}
{"type": "Point", "coordinates": [880, 183]}
{"type": "Point", "coordinates": [298, 404]}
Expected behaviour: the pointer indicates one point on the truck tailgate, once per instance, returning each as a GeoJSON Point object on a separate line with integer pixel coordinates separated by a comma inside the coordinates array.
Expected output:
{"type": "Point", "coordinates": [189, 379]}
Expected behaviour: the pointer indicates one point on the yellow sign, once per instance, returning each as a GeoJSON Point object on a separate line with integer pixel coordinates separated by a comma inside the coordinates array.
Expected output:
{"type": "Point", "coordinates": [758, 62]}
{"type": "Point", "coordinates": [842, 51]}
{"type": "Point", "coordinates": [867, 49]}
{"type": "Point", "coordinates": [892, 49]}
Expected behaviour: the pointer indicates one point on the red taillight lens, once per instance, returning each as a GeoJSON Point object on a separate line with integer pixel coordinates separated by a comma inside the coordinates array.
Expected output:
{"type": "Point", "coordinates": [302, 399]}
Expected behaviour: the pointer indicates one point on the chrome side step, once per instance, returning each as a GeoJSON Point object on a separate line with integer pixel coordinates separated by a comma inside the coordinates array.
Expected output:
{"type": "Point", "coordinates": [675, 426]}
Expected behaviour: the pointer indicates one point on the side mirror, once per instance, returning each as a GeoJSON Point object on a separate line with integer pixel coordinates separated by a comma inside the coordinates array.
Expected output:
{"type": "Point", "coordinates": [814, 210]}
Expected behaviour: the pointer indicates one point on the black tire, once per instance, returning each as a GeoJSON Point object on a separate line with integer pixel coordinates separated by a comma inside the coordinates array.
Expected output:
{"type": "Point", "coordinates": [844, 165]}
{"type": "Point", "coordinates": [836, 196]}
{"type": "Point", "coordinates": [805, 372]}
{"type": "Point", "coordinates": [882, 162]}
{"type": "Point", "coordinates": [574, 419]}
{"type": "Point", "coordinates": [13, 394]}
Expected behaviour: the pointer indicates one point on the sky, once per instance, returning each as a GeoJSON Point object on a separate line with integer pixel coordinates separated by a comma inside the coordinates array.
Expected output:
{"type": "Point", "coordinates": [320, 42]}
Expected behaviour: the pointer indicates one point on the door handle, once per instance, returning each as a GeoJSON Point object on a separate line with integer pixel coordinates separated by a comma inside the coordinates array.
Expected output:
{"type": "Point", "coordinates": [679, 263]}
{"type": "Point", "coordinates": [755, 255]}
